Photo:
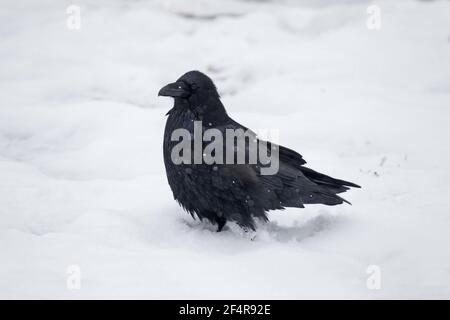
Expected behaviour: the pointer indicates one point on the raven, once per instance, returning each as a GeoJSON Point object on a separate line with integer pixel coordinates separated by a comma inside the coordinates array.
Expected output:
{"type": "Point", "coordinates": [221, 192]}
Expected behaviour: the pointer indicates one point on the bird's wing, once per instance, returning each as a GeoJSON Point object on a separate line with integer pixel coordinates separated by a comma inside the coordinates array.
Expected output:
{"type": "Point", "coordinates": [285, 154]}
{"type": "Point", "coordinates": [293, 185]}
{"type": "Point", "coordinates": [290, 156]}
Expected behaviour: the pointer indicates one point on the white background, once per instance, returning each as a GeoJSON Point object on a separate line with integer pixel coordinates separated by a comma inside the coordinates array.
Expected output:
{"type": "Point", "coordinates": [82, 180]}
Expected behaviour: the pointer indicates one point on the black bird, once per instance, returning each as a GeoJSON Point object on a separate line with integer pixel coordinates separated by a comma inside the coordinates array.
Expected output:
{"type": "Point", "coordinates": [235, 192]}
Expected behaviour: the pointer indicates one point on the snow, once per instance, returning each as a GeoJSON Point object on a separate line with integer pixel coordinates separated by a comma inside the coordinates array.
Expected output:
{"type": "Point", "coordinates": [82, 177]}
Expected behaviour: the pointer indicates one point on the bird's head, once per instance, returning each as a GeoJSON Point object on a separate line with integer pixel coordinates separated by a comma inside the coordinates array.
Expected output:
{"type": "Point", "coordinates": [192, 86]}
{"type": "Point", "coordinates": [196, 92]}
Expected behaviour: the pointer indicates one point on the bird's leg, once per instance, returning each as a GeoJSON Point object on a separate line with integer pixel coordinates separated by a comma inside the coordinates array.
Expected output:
{"type": "Point", "coordinates": [221, 221]}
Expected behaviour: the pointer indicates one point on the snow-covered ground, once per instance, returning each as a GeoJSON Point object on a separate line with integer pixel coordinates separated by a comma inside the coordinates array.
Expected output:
{"type": "Point", "coordinates": [82, 180]}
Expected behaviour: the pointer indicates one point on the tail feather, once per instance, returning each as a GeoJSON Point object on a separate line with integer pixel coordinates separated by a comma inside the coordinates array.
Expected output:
{"type": "Point", "coordinates": [327, 181]}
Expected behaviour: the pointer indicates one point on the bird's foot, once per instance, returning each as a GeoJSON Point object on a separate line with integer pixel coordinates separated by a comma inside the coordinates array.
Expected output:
{"type": "Point", "coordinates": [221, 222]}
{"type": "Point", "coordinates": [244, 232]}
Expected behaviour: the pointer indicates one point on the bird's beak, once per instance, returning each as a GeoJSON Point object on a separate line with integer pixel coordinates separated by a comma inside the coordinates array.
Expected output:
{"type": "Point", "coordinates": [176, 90]}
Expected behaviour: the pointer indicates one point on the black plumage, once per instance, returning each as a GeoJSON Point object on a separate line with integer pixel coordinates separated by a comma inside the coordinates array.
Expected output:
{"type": "Point", "coordinates": [235, 192]}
